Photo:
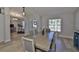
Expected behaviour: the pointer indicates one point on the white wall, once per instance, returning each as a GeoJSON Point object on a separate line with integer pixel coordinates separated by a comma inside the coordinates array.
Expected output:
{"type": "Point", "coordinates": [1, 27]}
{"type": "Point", "coordinates": [67, 24]}
{"type": "Point", "coordinates": [7, 25]}
{"type": "Point", "coordinates": [26, 19]}
{"type": "Point", "coordinates": [39, 23]}
{"type": "Point", "coordinates": [77, 20]}
{"type": "Point", "coordinates": [29, 23]}
{"type": "Point", "coordinates": [44, 22]}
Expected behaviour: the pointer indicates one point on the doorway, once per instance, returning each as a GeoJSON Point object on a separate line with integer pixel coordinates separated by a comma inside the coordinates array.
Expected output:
{"type": "Point", "coordinates": [17, 27]}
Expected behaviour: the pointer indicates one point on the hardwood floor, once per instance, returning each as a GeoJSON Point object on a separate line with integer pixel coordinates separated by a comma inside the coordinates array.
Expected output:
{"type": "Point", "coordinates": [62, 45]}
{"type": "Point", "coordinates": [65, 45]}
{"type": "Point", "coordinates": [14, 46]}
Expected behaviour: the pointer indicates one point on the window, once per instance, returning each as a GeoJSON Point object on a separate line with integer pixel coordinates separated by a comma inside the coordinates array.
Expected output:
{"type": "Point", "coordinates": [35, 23]}
{"type": "Point", "coordinates": [55, 25]}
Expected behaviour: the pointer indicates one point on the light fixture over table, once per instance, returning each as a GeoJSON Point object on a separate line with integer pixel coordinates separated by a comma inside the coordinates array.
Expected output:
{"type": "Point", "coordinates": [23, 11]}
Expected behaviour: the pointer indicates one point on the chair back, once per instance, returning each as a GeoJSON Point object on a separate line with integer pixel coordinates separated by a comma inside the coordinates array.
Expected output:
{"type": "Point", "coordinates": [28, 44]}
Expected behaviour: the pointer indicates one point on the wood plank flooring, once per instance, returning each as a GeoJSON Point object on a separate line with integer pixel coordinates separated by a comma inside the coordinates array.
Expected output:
{"type": "Point", "coordinates": [62, 45]}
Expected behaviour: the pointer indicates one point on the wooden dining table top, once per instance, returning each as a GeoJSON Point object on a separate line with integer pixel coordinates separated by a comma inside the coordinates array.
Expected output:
{"type": "Point", "coordinates": [42, 41]}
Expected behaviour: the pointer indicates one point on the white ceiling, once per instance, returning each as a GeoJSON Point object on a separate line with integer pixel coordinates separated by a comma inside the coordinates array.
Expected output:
{"type": "Point", "coordinates": [49, 11]}
{"type": "Point", "coordinates": [16, 12]}
{"type": "Point", "coordinates": [42, 11]}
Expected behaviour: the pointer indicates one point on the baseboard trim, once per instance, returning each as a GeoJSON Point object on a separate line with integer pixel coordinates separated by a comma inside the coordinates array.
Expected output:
{"type": "Point", "coordinates": [67, 37]}
{"type": "Point", "coordinates": [26, 34]}
{"type": "Point", "coordinates": [1, 41]}
{"type": "Point", "coordinates": [7, 41]}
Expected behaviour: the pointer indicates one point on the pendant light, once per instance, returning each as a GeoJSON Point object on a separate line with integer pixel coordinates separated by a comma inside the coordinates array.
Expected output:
{"type": "Point", "coordinates": [23, 11]}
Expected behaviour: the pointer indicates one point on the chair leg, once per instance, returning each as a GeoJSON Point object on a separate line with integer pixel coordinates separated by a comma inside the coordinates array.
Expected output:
{"type": "Point", "coordinates": [40, 49]}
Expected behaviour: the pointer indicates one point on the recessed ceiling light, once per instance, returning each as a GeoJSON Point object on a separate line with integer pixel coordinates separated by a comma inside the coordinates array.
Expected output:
{"type": "Point", "coordinates": [14, 19]}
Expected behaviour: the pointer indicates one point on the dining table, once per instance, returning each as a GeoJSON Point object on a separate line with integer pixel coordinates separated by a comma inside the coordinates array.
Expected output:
{"type": "Point", "coordinates": [43, 42]}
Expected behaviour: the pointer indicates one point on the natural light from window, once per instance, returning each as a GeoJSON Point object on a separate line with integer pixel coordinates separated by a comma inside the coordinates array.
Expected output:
{"type": "Point", "coordinates": [35, 23]}
{"type": "Point", "coordinates": [55, 25]}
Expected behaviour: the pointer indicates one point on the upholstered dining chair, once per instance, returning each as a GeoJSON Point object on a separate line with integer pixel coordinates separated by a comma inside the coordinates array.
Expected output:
{"type": "Point", "coordinates": [28, 44]}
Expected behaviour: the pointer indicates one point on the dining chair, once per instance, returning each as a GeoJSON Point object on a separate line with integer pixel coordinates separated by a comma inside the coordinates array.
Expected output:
{"type": "Point", "coordinates": [28, 44]}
